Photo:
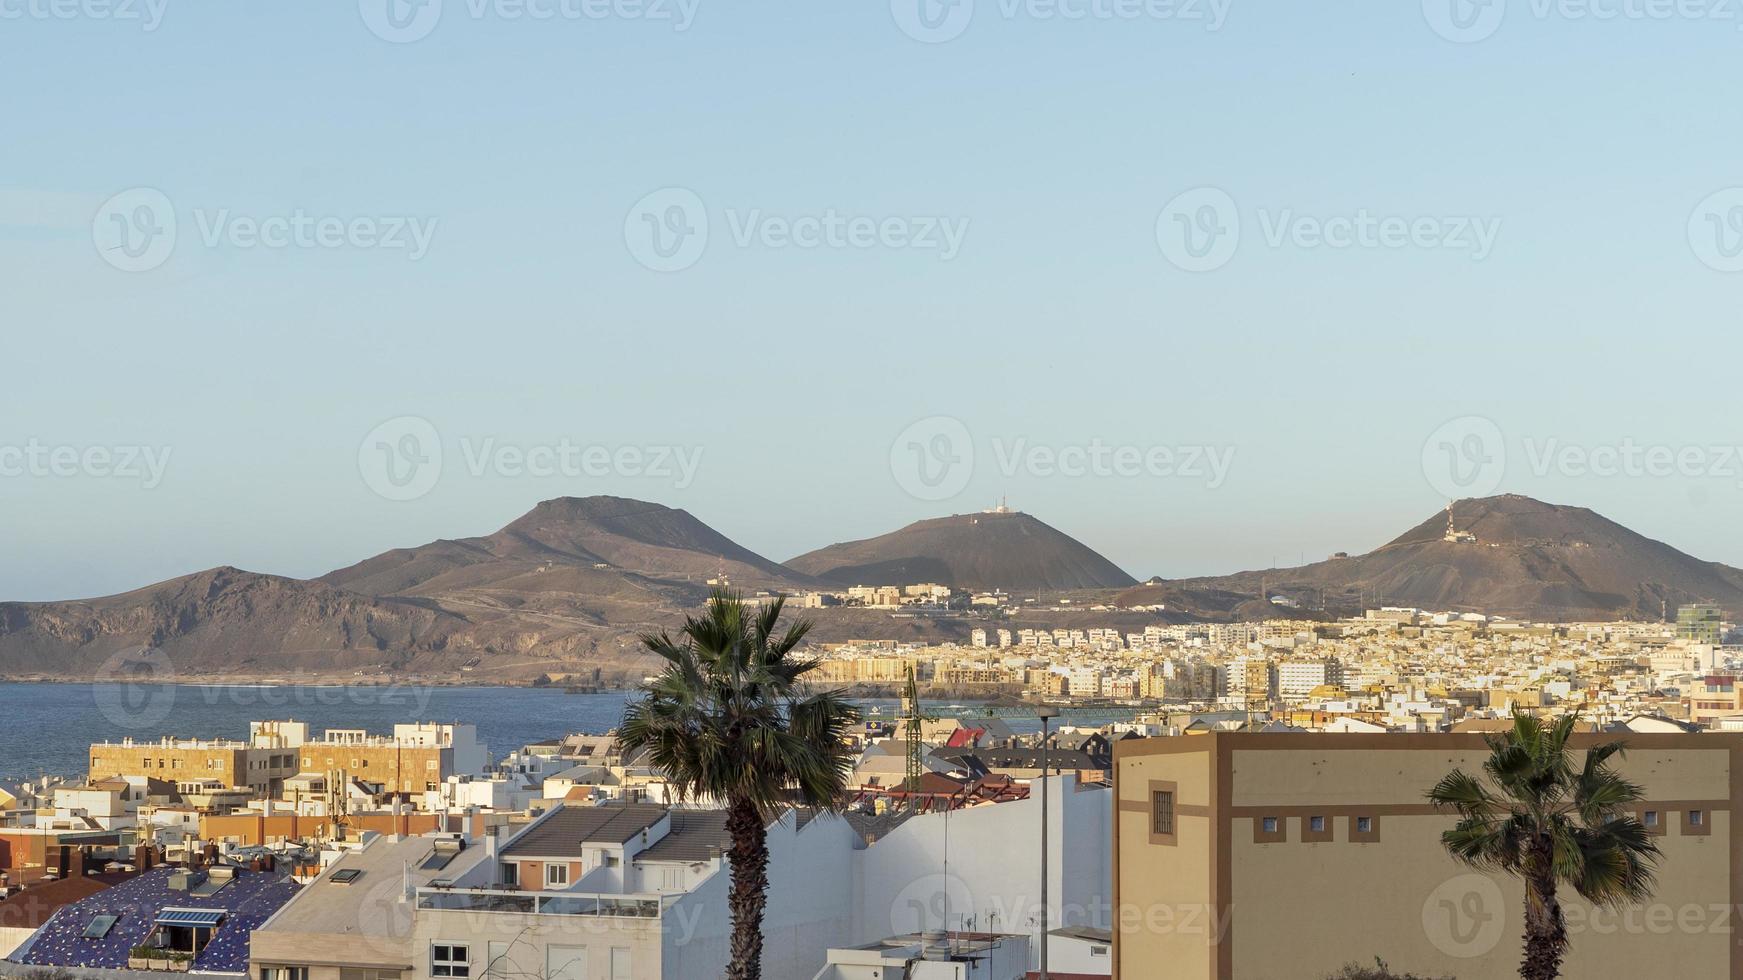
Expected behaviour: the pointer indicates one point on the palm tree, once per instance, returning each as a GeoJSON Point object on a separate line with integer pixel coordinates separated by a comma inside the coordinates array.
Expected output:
{"type": "Point", "coordinates": [728, 720]}
{"type": "Point", "coordinates": [1540, 817]}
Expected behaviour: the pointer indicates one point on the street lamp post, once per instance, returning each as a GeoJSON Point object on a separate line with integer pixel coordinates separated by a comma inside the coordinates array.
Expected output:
{"type": "Point", "coordinates": [1047, 713]}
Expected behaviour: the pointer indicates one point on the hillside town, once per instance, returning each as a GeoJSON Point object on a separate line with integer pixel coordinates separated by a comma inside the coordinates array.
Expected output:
{"type": "Point", "coordinates": [285, 853]}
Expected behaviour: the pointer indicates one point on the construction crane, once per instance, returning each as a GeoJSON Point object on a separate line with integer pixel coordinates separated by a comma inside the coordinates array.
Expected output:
{"type": "Point", "coordinates": [914, 726]}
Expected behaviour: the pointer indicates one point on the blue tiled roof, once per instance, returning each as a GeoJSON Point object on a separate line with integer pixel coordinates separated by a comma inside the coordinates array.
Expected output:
{"type": "Point", "coordinates": [247, 901]}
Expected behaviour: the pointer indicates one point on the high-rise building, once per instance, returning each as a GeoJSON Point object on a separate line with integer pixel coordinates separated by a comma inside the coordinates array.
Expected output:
{"type": "Point", "coordinates": [1700, 623]}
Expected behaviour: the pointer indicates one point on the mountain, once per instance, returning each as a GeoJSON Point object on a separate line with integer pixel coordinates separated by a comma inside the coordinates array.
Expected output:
{"type": "Point", "coordinates": [997, 550]}
{"type": "Point", "coordinates": [245, 620]}
{"type": "Point", "coordinates": [566, 586]}
{"type": "Point", "coordinates": [629, 537]}
{"type": "Point", "coordinates": [1509, 555]}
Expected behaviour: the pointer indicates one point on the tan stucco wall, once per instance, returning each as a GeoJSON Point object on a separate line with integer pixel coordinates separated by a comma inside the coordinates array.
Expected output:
{"type": "Point", "coordinates": [1164, 907]}
{"type": "Point", "coordinates": [1302, 909]}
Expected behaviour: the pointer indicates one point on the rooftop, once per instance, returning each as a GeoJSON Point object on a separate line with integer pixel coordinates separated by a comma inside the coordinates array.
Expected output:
{"type": "Point", "coordinates": [567, 830]}
{"type": "Point", "coordinates": [246, 901]}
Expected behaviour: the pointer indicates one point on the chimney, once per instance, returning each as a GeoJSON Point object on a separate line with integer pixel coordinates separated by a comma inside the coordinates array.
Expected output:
{"type": "Point", "coordinates": [64, 862]}
{"type": "Point", "coordinates": [78, 862]}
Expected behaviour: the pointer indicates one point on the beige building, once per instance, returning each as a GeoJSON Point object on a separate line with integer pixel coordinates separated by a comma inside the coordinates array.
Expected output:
{"type": "Point", "coordinates": [1285, 856]}
{"type": "Point", "coordinates": [416, 758]}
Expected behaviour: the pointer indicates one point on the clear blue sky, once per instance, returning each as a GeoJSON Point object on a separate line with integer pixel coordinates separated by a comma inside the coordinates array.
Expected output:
{"type": "Point", "coordinates": [1059, 321]}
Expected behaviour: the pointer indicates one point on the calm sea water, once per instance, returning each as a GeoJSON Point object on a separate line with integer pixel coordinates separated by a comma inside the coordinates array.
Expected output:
{"type": "Point", "coordinates": [49, 728]}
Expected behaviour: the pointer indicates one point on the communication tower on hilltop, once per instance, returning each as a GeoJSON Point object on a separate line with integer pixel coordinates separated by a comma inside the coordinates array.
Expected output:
{"type": "Point", "coordinates": [1453, 534]}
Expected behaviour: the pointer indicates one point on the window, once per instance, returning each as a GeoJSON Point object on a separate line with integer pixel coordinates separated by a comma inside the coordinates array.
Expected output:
{"type": "Point", "coordinates": [450, 960]}
{"type": "Point", "coordinates": [1316, 824]}
{"type": "Point", "coordinates": [510, 873]}
{"type": "Point", "coordinates": [556, 874]}
{"type": "Point", "coordinates": [1098, 951]}
{"type": "Point", "coordinates": [1270, 824]}
{"type": "Point", "coordinates": [1651, 819]}
{"type": "Point", "coordinates": [284, 973]}
{"type": "Point", "coordinates": [100, 926]}
{"type": "Point", "coordinates": [565, 963]}
{"type": "Point", "coordinates": [497, 966]}
{"type": "Point", "coordinates": [1696, 818]}
{"type": "Point", "coordinates": [1364, 825]}
{"type": "Point", "coordinates": [1162, 812]}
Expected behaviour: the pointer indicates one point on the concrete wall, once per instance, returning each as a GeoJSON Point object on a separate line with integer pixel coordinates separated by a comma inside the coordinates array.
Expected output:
{"type": "Point", "coordinates": [1298, 904]}
{"type": "Point", "coordinates": [994, 878]}
{"type": "Point", "coordinates": [810, 906]}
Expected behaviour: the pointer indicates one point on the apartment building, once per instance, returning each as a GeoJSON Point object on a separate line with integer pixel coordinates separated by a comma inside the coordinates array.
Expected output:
{"type": "Point", "coordinates": [416, 758]}
{"type": "Point", "coordinates": [1281, 856]}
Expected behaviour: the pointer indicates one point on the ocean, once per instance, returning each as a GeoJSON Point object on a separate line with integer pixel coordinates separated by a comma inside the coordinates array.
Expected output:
{"type": "Point", "coordinates": [49, 728]}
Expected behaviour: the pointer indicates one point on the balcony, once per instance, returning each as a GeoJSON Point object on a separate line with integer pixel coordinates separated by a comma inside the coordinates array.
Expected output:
{"type": "Point", "coordinates": [540, 903]}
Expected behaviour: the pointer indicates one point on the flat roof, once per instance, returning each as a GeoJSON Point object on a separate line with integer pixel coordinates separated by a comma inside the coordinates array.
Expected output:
{"type": "Point", "coordinates": [567, 830]}
{"type": "Point", "coordinates": [335, 907]}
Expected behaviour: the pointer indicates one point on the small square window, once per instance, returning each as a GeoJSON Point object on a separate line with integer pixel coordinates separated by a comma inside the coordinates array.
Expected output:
{"type": "Point", "coordinates": [1696, 818]}
{"type": "Point", "coordinates": [1364, 825]}
{"type": "Point", "coordinates": [556, 874]}
{"type": "Point", "coordinates": [1270, 825]}
{"type": "Point", "coordinates": [1651, 818]}
{"type": "Point", "coordinates": [1316, 824]}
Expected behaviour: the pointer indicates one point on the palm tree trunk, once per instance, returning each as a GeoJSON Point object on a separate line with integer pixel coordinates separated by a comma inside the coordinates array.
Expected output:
{"type": "Point", "coordinates": [750, 886]}
{"type": "Point", "coordinates": [1545, 929]}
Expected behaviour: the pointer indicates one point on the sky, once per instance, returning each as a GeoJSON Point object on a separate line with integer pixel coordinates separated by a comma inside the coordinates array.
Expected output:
{"type": "Point", "coordinates": [1207, 286]}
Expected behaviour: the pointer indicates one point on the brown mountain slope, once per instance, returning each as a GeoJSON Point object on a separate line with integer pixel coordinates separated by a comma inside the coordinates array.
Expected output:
{"type": "Point", "coordinates": [1529, 559]}
{"type": "Point", "coordinates": [243, 619]}
{"type": "Point", "coordinates": [568, 585]}
{"type": "Point", "coordinates": [1010, 551]}
{"type": "Point", "coordinates": [631, 537]}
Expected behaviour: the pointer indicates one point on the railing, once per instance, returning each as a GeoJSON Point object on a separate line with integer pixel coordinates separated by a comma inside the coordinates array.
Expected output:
{"type": "Point", "coordinates": [539, 903]}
